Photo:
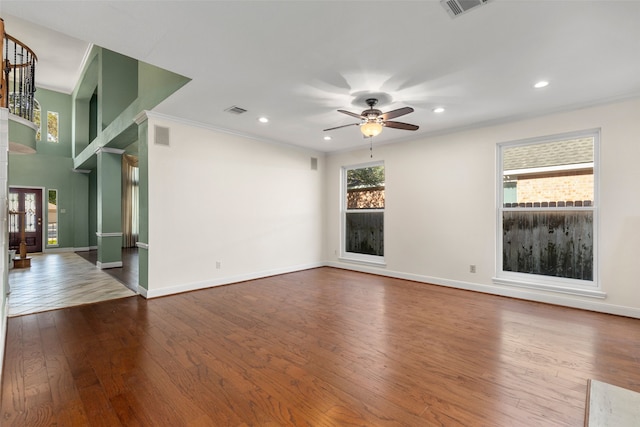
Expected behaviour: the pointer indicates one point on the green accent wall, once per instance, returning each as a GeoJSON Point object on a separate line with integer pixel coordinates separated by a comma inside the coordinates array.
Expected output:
{"type": "Point", "coordinates": [112, 91]}
{"type": "Point", "coordinates": [22, 134]}
{"type": "Point", "coordinates": [50, 172]}
{"type": "Point", "coordinates": [51, 167]}
{"type": "Point", "coordinates": [109, 207]}
{"type": "Point", "coordinates": [118, 86]}
{"type": "Point", "coordinates": [61, 104]}
{"type": "Point", "coordinates": [93, 209]}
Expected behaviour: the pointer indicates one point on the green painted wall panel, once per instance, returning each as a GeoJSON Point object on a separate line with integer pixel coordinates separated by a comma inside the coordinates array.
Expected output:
{"type": "Point", "coordinates": [23, 134]}
{"type": "Point", "coordinates": [61, 104]}
{"type": "Point", "coordinates": [119, 85]}
{"type": "Point", "coordinates": [80, 210]}
{"type": "Point", "coordinates": [109, 249]}
{"type": "Point", "coordinates": [36, 170]}
{"type": "Point", "coordinates": [109, 193]}
{"type": "Point", "coordinates": [93, 208]}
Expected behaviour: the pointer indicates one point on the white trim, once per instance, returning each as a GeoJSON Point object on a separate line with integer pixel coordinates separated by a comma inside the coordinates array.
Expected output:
{"type": "Point", "coordinates": [142, 245]}
{"type": "Point", "coordinates": [374, 260]}
{"type": "Point", "coordinates": [82, 249]}
{"type": "Point", "coordinates": [22, 121]}
{"type": "Point", "coordinates": [194, 286]}
{"type": "Point", "coordinates": [104, 265]}
{"type": "Point", "coordinates": [101, 234]}
{"type": "Point", "coordinates": [81, 170]}
{"type": "Point", "coordinates": [108, 150]}
{"type": "Point", "coordinates": [143, 292]}
{"type": "Point", "coordinates": [93, 248]}
{"type": "Point", "coordinates": [533, 281]}
{"type": "Point", "coordinates": [141, 117]}
{"type": "Point", "coordinates": [519, 293]}
{"type": "Point", "coordinates": [560, 288]}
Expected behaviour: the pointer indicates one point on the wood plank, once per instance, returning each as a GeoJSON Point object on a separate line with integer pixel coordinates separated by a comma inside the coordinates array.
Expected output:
{"type": "Point", "coordinates": [320, 347]}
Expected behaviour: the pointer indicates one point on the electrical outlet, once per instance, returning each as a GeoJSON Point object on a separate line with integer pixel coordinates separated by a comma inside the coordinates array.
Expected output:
{"type": "Point", "coordinates": [218, 264]}
{"type": "Point", "coordinates": [472, 268]}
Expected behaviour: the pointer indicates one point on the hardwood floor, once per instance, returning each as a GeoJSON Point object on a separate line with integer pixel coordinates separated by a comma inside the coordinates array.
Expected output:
{"type": "Point", "coordinates": [322, 347]}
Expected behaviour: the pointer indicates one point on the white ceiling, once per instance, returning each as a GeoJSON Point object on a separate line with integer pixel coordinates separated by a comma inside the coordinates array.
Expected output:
{"type": "Point", "coordinates": [298, 61]}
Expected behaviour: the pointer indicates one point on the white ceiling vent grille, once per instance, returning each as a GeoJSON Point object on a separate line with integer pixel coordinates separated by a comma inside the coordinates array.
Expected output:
{"type": "Point", "coordinates": [458, 7]}
{"type": "Point", "coordinates": [236, 110]}
{"type": "Point", "coordinates": [161, 135]}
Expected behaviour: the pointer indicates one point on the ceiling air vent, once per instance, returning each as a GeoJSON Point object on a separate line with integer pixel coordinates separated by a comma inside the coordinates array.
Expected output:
{"type": "Point", "coordinates": [236, 110]}
{"type": "Point", "coordinates": [458, 7]}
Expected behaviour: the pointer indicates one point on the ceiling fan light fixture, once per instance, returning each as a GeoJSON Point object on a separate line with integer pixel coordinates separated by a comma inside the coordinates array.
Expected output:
{"type": "Point", "coordinates": [371, 129]}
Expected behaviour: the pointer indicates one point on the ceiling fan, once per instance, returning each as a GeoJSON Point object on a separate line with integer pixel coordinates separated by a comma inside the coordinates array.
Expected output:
{"type": "Point", "coordinates": [372, 121]}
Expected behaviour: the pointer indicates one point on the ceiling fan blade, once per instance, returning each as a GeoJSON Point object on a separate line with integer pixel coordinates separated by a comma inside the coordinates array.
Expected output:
{"type": "Point", "coordinates": [343, 126]}
{"type": "Point", "coordinates": [400, 125]}
{"type": "Point", "coordinates": [349, 113]}
{"type": "Point", "coordinates": [397, 113]}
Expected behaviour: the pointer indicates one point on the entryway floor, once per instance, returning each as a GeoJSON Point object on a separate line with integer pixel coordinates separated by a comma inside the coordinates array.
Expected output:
{"type": "Point", "coordinates": [59, 280]}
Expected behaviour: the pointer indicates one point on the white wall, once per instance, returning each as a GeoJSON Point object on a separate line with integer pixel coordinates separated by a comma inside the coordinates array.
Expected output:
{"type": "Point", "coordinates": [441, 205]}
{"type": "Point", "coordinates": [253, 206]}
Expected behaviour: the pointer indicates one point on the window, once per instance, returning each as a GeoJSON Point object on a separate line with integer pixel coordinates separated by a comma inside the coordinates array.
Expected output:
{"type": "Point", "coordinates": [547, 211]}
{"type": "Point", "coordinates": [52, 218]}
{"type": "Point", "coordinates": [363, 213]}
{"type": "Point", "coordinates": [37, 119]}
{"type": "Point", "coordinates": [52, 126]}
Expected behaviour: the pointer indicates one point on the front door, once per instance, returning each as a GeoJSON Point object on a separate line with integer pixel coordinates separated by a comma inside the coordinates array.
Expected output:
{"type": "Point", "coordinates": [29, 201]}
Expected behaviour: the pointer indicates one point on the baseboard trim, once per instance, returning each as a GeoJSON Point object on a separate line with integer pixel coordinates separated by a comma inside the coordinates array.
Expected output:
{"type": "Point", "coordinates": [187, 287]}
{"type": "Point", "coordinates": [83, 249]}
{"type": "Point", "coordinates": [104, 265]}
{"type": "Point", "coordinates": [519, 293]}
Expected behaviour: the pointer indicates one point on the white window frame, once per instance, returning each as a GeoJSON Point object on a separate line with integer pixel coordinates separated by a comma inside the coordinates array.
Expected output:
{"type": "Point", "coordinates": [53, 245]}
{"type": "Point", "coordinates": [541, 282]}
{"type": "Point", "coordinates": [352, 256]}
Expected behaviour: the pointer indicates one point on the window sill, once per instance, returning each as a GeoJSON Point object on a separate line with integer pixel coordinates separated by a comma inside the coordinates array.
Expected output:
{"type": "Point", "coordinates": [373, 263]}
{"type": "Point", "coordinates": [563, 289]}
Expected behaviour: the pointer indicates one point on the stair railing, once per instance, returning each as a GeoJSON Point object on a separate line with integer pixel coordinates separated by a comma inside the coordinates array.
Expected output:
{"type": "Point", "coordinates": [17, 84]}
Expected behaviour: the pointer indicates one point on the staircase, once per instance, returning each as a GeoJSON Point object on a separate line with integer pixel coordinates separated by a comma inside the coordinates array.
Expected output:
{"type": "Point", "coordinates": [18, 76]}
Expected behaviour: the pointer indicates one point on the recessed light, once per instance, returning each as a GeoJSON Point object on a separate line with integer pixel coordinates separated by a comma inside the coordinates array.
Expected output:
{"type": "Point", "coordinates": [438, 110]}
{"type": "Point", "coordinates": [541, 84]}
{"type": "Point", "coordinates": [263, 120]}
{"type": "Point", "coordinates": [327, 138]}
